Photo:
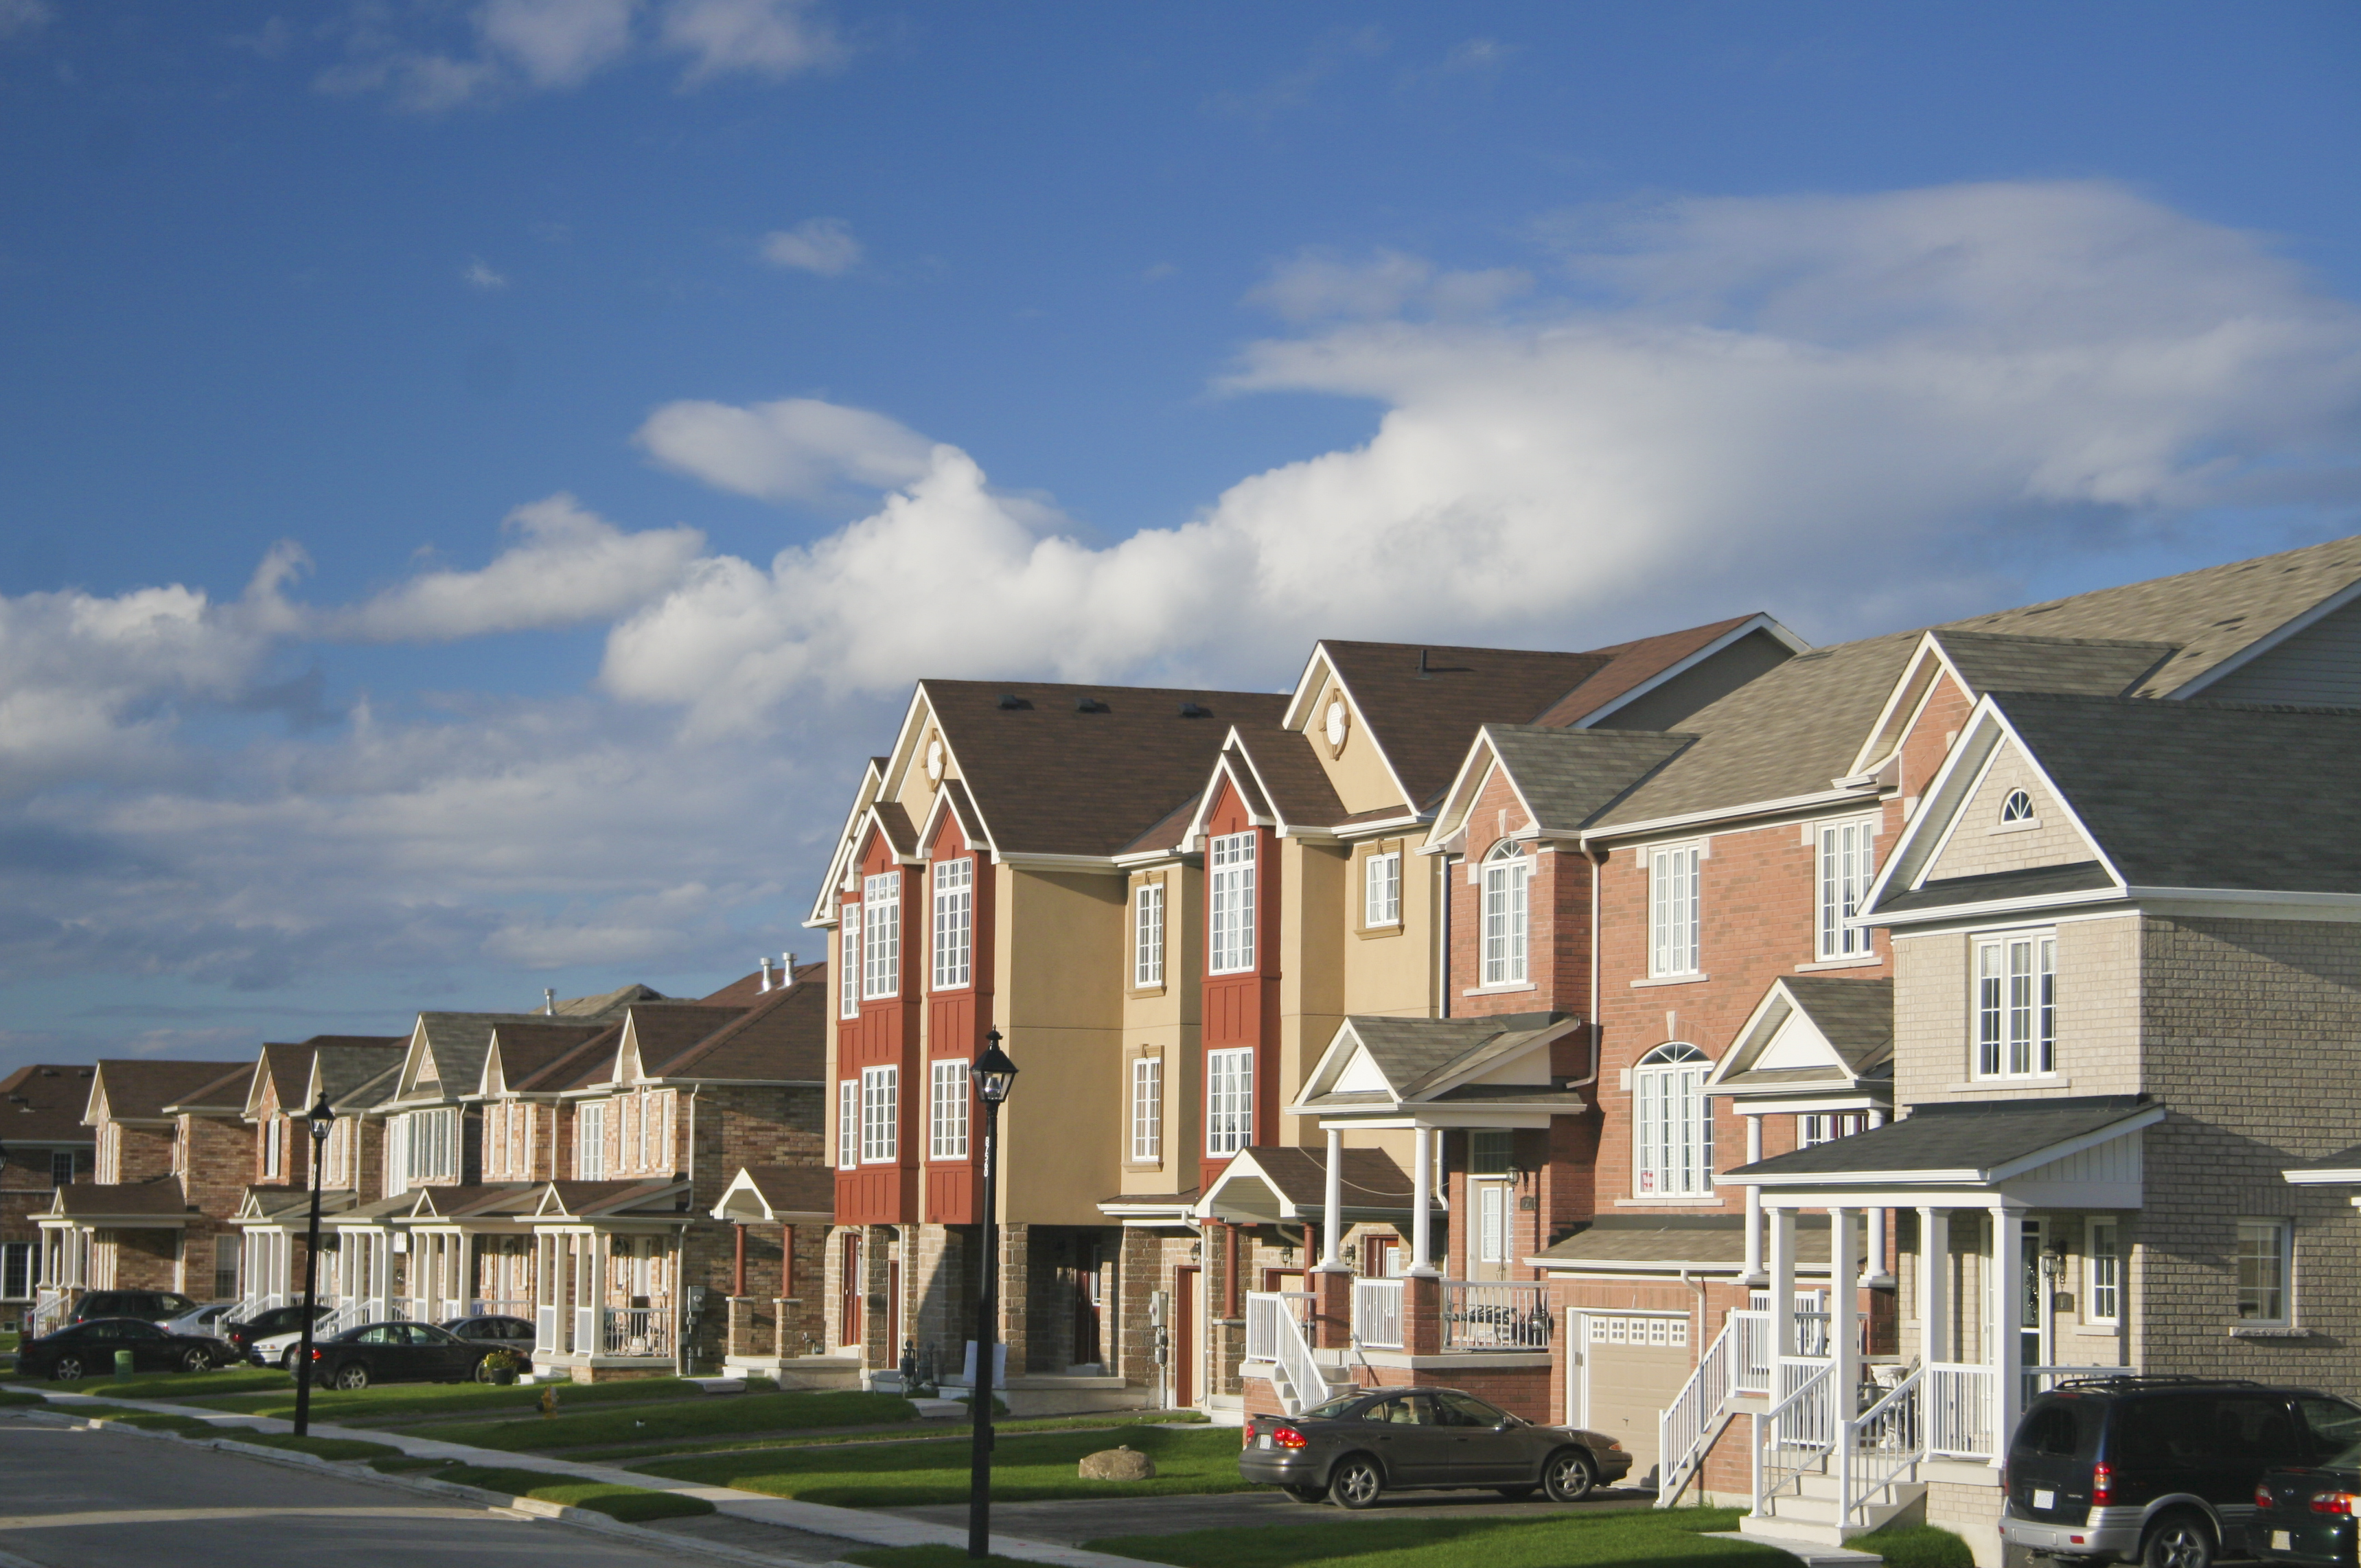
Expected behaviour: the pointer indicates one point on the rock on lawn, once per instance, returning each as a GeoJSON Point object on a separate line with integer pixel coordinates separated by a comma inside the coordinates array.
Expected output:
{"type": "Point", "coordinates": [1125, 1463]}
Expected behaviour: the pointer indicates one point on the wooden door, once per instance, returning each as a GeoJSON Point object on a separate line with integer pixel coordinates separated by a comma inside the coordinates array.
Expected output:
{"type": "Point", "coordinates": [1183, 1353]}
{"type": "Point", "coordinates": [894, 1309]}
{"type": "Point", "coordinates": [849, 1313]}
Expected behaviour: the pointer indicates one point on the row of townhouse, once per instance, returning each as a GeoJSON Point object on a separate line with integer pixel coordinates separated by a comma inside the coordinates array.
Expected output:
{"type": "Point", "coordinates": [1531, 1023]}
{"type": "Point", "coordinates": [585, 1168]}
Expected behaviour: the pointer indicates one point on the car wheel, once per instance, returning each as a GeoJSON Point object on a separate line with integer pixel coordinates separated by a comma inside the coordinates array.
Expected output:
{"type": "Point", "coordinates": [352, 1376]}
{"type": "Point", "coordinates": [287, 1358]}
{"type": "Point", "coordinates": [1307, 1494]}
{"type": "Point", "coordinates": [1356, 1481]}
{"type": "Point", "coordinates": [195, 1360]}
{"type": "Point", "coordinates": [66, 1369]}
{"type": "Point", "coordinates": [2177, 1541]}
{"type": "Point", "coordinates": [1515, 1494]}
{"type": "Point", "coordinates": [1568, 1477]}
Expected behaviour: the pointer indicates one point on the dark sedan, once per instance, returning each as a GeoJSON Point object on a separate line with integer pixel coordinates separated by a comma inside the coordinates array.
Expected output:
{"type": "Point", "coordinates": [1355, 1447]}
{"type": "Point", "coordinates": [515, 1333]}
{"type": "Point", "coordinates": [399, 1352]}
{"type": "Point", "coordinates": [2308, 1514]}
{"type": "Point", "coordinates": [87, 1350]}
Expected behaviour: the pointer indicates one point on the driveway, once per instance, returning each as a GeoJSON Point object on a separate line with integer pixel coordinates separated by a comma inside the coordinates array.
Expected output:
{"type": "Point", "coordinates": [1072, 1523]}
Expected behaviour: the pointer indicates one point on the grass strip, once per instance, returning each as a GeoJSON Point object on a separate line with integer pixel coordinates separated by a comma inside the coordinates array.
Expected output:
{"type": "Point", "coordinates": [688, 1447]}
{"type": "Point", "coordinates": [12, 1396]}
{"type": "Point", "coordinates": [632, 1505]}
{"type": "Point", "coordinates": [151, 1421]}
{"type": "Point", "coordinates": [184, 1387]}
{"type": "Point", "coordinates": [926, 1557]}
{"type": "Point", "coordinates": [1035, 1468]}
{"type": "Point", "coordinates": [738, 1413]}
{"type": "Point", "coordinates": [1917, 1546]}
{"type": "Point", "coordinates": [339, 1448]}
{"type": "Point", "coordinates": [1626, 1539]}
{"type": "Point", "coordinates": [403, 1462]}
{"type": "Point", "coordinates": [362, 1407]}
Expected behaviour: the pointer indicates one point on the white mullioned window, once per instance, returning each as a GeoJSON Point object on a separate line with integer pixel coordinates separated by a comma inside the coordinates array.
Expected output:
{"type": "Point", "coordinates": [590, 1141]}
{"type": "Point", "coordinates": [1847, 864]}
{"type": "Point", "coordinates": [848, 999]}
{"type": "Point", "coordinates": [954, 923]}
{"type": "Point", "coordinates": [2102, 1258]}
{"type": "Point", "coordinates": [946, 1111]}
{"type": "Point", "coordinates": [1229, 1101]}
{"type": "Point", "coordinates": [1381, 889]}
{"type": "Point", "coordinates": [1672, 924]}
{"type": "Point", "coordinates": [1492, 1221]}
{"type": "Point", "coordinates": [1827, 1127]}
{"type": "Point", "coordinates": [2266, 1272]}
{"type": "Point", "coordinates": [1146, 1110]}
{"type": "Point", "coordinates": [848, 1123]}
{"type": "Point", "coordinates": [880, 1100]}
{"type": "Point", "coordinates": [1230, 903]}
{"type": "Point", "coordinates": [2016, 1004]}
{"type": "Point", "coordinates": [273, 1143]}
{"type": "Point", "coordinates": [881, 934]}
{"type": "Point", "coordinates": [1675, 1122]}
{"type": "Point", "coordinates": [1148, 935]}
{"type": "Point", "coordinates": [1507, 915]}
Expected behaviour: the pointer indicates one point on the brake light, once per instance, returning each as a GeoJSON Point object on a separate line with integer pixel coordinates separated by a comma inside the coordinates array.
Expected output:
{"type": "Point", "coordinates": [1247, 1441]}
{"type": "Point", "coordinates": [315, 1353]}
{"type": "Point", "coordinates": [2102, 1485]}
{"type": "Point", "coordinates": [2334, 1502]}
{"type": "Point", "coordinates": [2263, 1498]}
{"type": "Point", "coordinates": [1287, 1437]}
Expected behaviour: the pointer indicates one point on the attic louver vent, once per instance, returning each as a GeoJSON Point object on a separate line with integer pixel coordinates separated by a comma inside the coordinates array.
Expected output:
{"type": "Point", "coordinates": [1010, 699]}
{"type": "Point", "coordinates": [1194, 710]}
{"type": "Point", "coordinates": [1089, 705]}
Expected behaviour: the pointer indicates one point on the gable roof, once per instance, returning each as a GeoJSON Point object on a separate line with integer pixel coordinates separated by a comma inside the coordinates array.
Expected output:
{"type": "Point", "coordinates": [355, 1071]}
{"type": "Point", "coordinates": [43, 1103]}
{"type": "Point", "coordinates": [779, 1194]}
{"type": "Point", "coordinates": [160, 1201]}
{"type": "Point", "coordinates": [1374, 1065]}
{"type": "Point", "coordinates": [1810, 1034]}
{"type": "Point", "coordinates": [1716, 1243]}
{"type": "Point", "coordinates": [1286, 1183]}
{"type": "Point", "coordinates": [137, 1089]}
{"type": "Point", "coordinates": [1567, 779]}
{"type": "Point", "coordinates": [521, 1050]}
{"type": "Point", "coordinates": [290, 1069]}
{"type": "Point", "coordinates": [606, 1005]}
{"type": "Point", "coordinates": [783, 1038]}
{"type": "Point", "coordinates": [1979, 1141]}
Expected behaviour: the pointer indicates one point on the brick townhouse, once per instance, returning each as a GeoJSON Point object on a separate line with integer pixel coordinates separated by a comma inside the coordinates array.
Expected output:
{"type": "Point", "coordinates": [43, 1147]}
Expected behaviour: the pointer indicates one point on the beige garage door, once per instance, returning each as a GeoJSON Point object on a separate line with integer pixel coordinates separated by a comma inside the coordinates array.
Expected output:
{"type": "Point", "coordinates": [1635, 1366]}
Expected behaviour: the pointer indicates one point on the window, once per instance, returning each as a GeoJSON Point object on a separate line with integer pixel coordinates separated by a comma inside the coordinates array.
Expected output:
{"type": "Point", "coordinates": [1505, 915]}
{"type": "Point", "coordinates": [946, 1111]}
{"type": "Point", "coordinates": [954, 922]}
{"type": "Point", "coordinates": [1492, 1221]}
{"type": "Point", "coordinates": [1672, 909]}
{"type": "Point", "coordinates": [273, 1143]}
{"type": "Point", "coordinates": [2263, 1271]}
{"type": "Point", "coordinates": [1229, 1101]}
{"type": "Point", "coordinates": [1230, 889]}
{"type": "Point", "coordinates": [420, 1147]}
{"type": "Point", "coordinates": [2017, 807]}
{"type": "Point", "coordinates": [881, 934]}
{"type": "Point", "coordinates": [1381, 889]}
{"type": "Point", "coordinates": [1146, 1110]}
{"type": "Point", "coordinates": [848, 1123]}
{"type": "Point", "coordinates": [15, 1271]}
{"type": "Point", "coordinates": [110, 1153]}
{"type": "Point", "coordinates": [1148, 937]}
{"type": "Point", "coordinates": [848, 999]}
{"type": "Point", "coordinates": [1487, 1153]}
{"type": "Point", "coordinates": [520, 1141]}
{"type": "Point", "coordinates": [1848, 862]}
{"type": "Point", "coordinates": [226, 1270]}
{"type": "Point", "coordinates": [1827, 1127]}
{"type": "Point", "coordinates": [2016, 1006]}
{"type": "Point", "coordinates": [880, 1092]}
{"type": "Point", "coordinates": [1675, 1122]}
{"type": "Point", "coordinates": [62, 1169]}
{"type": "Point", "coordinates": [590, 1142]}
{"type": "Point", "coordinates": [2106, 1281]}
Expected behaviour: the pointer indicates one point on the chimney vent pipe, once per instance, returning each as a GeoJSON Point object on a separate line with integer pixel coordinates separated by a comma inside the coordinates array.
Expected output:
{"type": "Point", "coordinates": [549, 1001]}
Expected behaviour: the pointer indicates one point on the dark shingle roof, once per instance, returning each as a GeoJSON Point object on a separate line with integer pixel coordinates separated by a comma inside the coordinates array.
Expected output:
{"type": "Point", "coordinates": [1570, 776]}
{"type": "Point", "coordinates": [1293, 781]}
{"type": "Point", "coordinates": [1368, 1176]}
{"type": "Point", "coordinates": [1970, 1135]}
{"type": "Point", "coordinates": [1631, 664]}
{"type": "Point", "coordinates": [52, 1098]}
{"type": "Point", "coordinates": [1987, 887]}
{"type": "Point", "coordinates": [1993, 661]}
{"type": "Point", "coordinates": [527, 1048]}
{"type": "Point", "coordinates": [1657, 1239]}
{"type": "Point", "coordinates": [606, 1005]}
{"type": "Point", "coordinates": [783, 1038]}
{"type": "Point", "coordinates": [1424, 718]}
{"type": "Point", "coordinates": [162, 1198]}
{"type": "Point", "coordinates": [1415, 1053]}
{"type": "Point", "coordinates": [1855, 1016]}
{"type": "Point", "coordinates": [138, 1089]}
{"type": "Point", "coordinates": [794, 1188]}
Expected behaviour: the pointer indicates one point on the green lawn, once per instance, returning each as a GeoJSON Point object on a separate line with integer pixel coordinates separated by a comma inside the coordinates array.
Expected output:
{"type": "Point", "coordinates": [1025, 1469]}
{"type": "Point", "coordinates": [181, 1387]}
{"type": "Point", "coordinates": [630, 1504]}
{"type": "Point", "coordinates": [318, 1447]}
{"type": "Point", "coordinates": [1626, 1538]}
{"type": "Point", "coordinates": [1104, 1422]}
{"type": "Point", "coordinates": [730, 1413]}
{"type": "Point", "coordinates": [401, 1399]}
{"type": "Point", "coordinates": [19, 1397]}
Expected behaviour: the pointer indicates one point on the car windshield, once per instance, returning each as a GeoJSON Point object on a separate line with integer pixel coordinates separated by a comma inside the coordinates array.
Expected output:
{"type": "Point", "coordinates": [1336, 1410]}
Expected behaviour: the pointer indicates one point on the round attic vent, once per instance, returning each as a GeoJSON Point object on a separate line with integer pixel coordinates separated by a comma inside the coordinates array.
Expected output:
{"type": "Point", "coordinates": [1338, 721]}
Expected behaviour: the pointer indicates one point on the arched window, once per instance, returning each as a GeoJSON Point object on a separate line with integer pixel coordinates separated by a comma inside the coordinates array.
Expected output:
{"type": "Point", "coordinates": [1675, 1147]}
{"type": "Point", "coordinates": [2017, 807]}
{"type": "Point", "coordinates": [1505, 915]}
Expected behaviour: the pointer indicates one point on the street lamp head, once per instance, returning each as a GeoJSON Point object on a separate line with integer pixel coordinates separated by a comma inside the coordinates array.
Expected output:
{"type": "Point", "coordinates": [323, 1117]}
{"type": "Point", "coordinates": [994, 1073]}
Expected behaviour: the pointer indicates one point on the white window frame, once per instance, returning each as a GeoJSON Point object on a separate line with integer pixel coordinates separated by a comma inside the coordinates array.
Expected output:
{"type": "Point", "coordinates": [1230, 903]}
{"type": "Point", "coordinates": [2102, 1273]}
{"type": "Point", "coordinates": [19, 1263]}
{"type": "Point", "coordinates": [1146, 1110]}
{"type": "Point", "coordinates": [1816, 1127]}
{"type": "Point", "coordinates": [1381, 890]}
{"type": "Point", "coordinates": [954, 929]}
{"type": "Point", "coordinates": [1674, 1150]}
{"type": "Point", "coordinates": [1675, 927]}
{"type": "Point", "coordinates": [1505, 923]}
{"type": "Point", "coordinates": [947, 1102]}
{"type": "Point", "coordinates": [881, 935]}
{"type": "Point", "coordinates": [590, 1141]}
{"type": "Point", "coordinates": [1846, 858]}
{"type": "Point", "coordinates": [1148, 935]}
{"type": "Point", "coordinates": [848, 936]}
{"type": "Point", "coordinates": [1491, 1221]}
{"type": "Point", "coordinates": [2265, 1247]}
{"type": "Point", "coordinates": [2012, 1003]}
{"type": "Point", "coordinates": [274, 1137]}
{"type": "Point", "coordinates": [880, 1132]}
{"type": "Point", "coordinates": [848, 1123]}
{"type": "Point", "coordinates": [1229, 1101]}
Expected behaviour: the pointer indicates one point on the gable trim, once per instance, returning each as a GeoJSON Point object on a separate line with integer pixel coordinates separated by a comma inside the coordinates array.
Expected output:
{"type": "Point", "coordinates": [1757, 621]}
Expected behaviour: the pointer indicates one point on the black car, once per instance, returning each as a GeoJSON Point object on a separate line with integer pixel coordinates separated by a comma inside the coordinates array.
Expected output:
{"type": "Point", "coordinates": [159, 1307]}
{"type": "Point", "coordinates": [401, 1352]}
{"type": "Point", "coordinates": [87, 1350]}
{"type": "Point", "coordinates": [2306, 1514]}
{"type": "Point", "coordinates": [2157, 1470]}
{"type": "Point", "coordinates": [514, 1332]}
{"type": "Point", "coordinates": [1357, 1446]}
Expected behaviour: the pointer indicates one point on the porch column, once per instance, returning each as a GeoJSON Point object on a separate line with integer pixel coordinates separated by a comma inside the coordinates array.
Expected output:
{"type": "Point", "coordinates": [599, 1255]}
{"type": "Point", "coordinates": [1753, 1276]}
{"type": "Point", "coordinates": [1934, 1282]}
{"type": "Point", "coordinates": [2007, 1356]}
{"type": "Point", "coordinates": [1844, 1332]}
{"type": "Point", "coordinates": [1422, 1178]}
{"type": "Point", "coordinates": [1783, 1285]}
{"type": "Point", "coordinates": [738, 1256]}
{"type": "Point", "coordinates": [1872, 1264]}
{"type": "Point", "coordinates": [1335, 1201]}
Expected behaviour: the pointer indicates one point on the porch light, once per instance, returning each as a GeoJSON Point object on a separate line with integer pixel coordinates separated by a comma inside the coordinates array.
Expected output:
{"type": "Point", "coordinates": [2053, 1261]}
{"type": "Point", "coordinates": [994, 1073]}
{"type": "Point", "coordinates": [323, 1118]}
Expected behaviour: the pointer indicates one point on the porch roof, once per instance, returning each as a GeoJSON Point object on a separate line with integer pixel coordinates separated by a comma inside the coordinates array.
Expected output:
{"type": "Point", "coordinates": [1262, 1184]}
{"type": "Point", "coordinates": [1173, 1206]}
{"type": "Point", "coordinates": [1812, 1035]}
{"type": "Point", "coordinates": [1380, 1066]}
{"type": "Point", "coordinates": [1713, 1244]}
{"type": "Point", "coordinates": [146, 1205]}
{"type": "Point", "coordinates": [2341, 1168]}
{"type": "Point", "coordinates": [779, 1195]}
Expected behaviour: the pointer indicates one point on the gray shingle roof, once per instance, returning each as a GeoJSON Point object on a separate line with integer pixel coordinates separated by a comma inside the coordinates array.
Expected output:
{"type": "Point", "coordinates": [2007, 662]}
{"type": "Point", "coordinates": [1855, 1016]}
{"type": "Point", "coordinates": [1570, 777]}
{"type": "Point", "coordinates": [1414, 1053]}
{"type": "Point", "coordinates": [1624, 1239]}
{"type": "Point", "coordinates": [1970, 1135]}
{"type": "Point", "coordinates": [1989, 887]}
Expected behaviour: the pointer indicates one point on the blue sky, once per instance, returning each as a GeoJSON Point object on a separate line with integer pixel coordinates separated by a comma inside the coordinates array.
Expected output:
{"type": "Point", "coordinates": [475, 475]}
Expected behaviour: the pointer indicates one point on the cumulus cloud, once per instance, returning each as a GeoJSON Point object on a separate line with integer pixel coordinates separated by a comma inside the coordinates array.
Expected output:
{"type": "Point", "coordinates": [823, 245]}
{"type": "Point", "coordinates": [757, 38]}
{"type": "Point", "coordinates": [480, 276]}
{"type": "Point", "coordinates": [1316, 286]}
{"type": "Point", "coordinates": [795, 449]}
{"type": "Point", "coordinates": [556, 43]}
{"type": "Point", "coordinates": [18, 17]}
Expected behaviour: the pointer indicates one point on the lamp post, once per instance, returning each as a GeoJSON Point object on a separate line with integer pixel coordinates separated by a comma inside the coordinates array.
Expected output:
{"type": "Point", "coordinates": [994, 1074]}
{"type": "Point", "coordinates": [322, 1119]}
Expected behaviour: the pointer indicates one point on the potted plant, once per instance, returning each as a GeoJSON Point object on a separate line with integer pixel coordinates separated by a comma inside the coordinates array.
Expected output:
{"type": "Point", "coordinates": [501, 1366]}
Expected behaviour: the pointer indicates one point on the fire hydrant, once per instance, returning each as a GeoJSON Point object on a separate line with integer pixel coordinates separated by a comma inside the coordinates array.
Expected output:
{"type": "Point", "coordinates": [549, 1401]}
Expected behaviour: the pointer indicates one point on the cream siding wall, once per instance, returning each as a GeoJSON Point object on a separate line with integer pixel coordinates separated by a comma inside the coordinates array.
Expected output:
{"type": "Point", "coordinates": [2321, 663]}
{"type": "Point", "coordinates": [1980, 844]}
{"type": "Point", "coordinates": [1062, 1012]}
{"type": "Point", "coordinates": [2098, 1015]}
{"type": "Point", "coordinates": [1166, 1021]}
{"type": "Point", "coordinates": [1358, 772]}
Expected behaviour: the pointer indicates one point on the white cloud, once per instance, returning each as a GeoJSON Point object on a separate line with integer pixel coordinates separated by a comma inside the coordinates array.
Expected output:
{"type": "Point", "coordinates": [557, 43]}
{"type": "Point", "coordinates": [480, 276]}
{"type": "Point", "coordinates": [759, 38]}
{"type": "Point", "coordinates": [19, 17]}
{"type": "Point", "coordinates": [1314, 286]}
{"type": "Point", "coordinates": [798, 448]}
{"type": "Point", "coordinates": [823, 245]}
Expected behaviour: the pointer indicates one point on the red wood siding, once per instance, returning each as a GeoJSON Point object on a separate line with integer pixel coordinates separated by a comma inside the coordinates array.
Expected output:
{"type": "Point", "coordinates": [956, 1022]}
{"type": "Point", "coordinates": [886, 1034]}
{"type": "Point", "coordinates": [1243, 1009]}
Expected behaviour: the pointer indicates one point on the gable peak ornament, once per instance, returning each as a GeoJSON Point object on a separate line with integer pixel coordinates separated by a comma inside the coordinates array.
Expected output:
{"type": "Point", "coordinates": [1337, 722]}
{"type": "Point", "coordinates": [935, 759]}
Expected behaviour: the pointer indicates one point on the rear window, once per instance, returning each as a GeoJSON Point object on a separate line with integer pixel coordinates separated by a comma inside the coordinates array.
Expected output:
{"type": "Point", "coordinates": [2063, 1429]}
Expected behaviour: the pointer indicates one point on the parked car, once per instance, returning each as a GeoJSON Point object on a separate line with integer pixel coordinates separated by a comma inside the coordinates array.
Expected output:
{"type": "Point", "coordinates": [2306, 1515]}
{"type": "Point", "coordinates": [87, 1350]}
{"type": "Point", "coordinates": [2158, 1470]}
{"type": "Point", "coordinates": [159, 1307]}
{"type": "Point", "coordinates": [210, 1319]}
{"type": "Point", "coordinates": [1360, 1445]}
{"type": "Point", "coordinates": [403, 1353]}
{"type": "Point", "coordinates": [514, 1333]}
{"type": "Point", "coordinates": [273, 1338]}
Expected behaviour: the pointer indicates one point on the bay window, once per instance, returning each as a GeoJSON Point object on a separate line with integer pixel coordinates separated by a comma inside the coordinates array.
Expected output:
{"type": "Point", "coordinates": [880, 1099]}
{"type": "Point", "coordinates": [946, 1111]}
{"type": "Point", "coordinates": [881, 934]}
{"type": "Point", "coordinates": [954, 922]}
{"type": "Point", "coordinates": [1229, 1101]}
{"type": "Point", "coordinates": [1230, 899]}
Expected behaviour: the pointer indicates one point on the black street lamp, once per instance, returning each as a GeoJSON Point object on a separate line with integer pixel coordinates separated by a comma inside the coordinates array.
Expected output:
{"type": "Point", "coordinates": [994, 1075]}
{"type": "Point", "coordinates": [322, 1119]}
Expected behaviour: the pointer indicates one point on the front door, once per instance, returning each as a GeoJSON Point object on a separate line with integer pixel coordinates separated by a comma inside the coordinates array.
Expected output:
{"type": "Point", "coordinates": [1086, 1304]}
{"type": "Point", "coordinates": [1488, 1256]}
{"type": "Point", "coordinates": [1181, 1350]}
{"type": "Point", "coordinates": [894, 1309]}
{"type": "Point", "coordinates": [849, 1313]}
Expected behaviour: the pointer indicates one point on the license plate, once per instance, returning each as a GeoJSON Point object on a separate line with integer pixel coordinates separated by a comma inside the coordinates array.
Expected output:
{"type": "Point", "coordinates": [2281, 1540]}
{"type": "Point", "coordinates": [1263, 1441]}
{"type": "Point", "coordinates": [2044, 1500]}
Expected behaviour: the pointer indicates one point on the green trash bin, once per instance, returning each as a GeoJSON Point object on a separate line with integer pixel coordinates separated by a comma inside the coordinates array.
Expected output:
{"type": "Point", "coordinates": [122, 1367]}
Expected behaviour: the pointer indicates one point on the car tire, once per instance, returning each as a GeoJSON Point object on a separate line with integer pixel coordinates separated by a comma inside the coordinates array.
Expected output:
{"type": "Point", "coordinates": [2177, 1541]}
{"type": "Point", "coordinates": [287, 1358]}
{"type": "Point", "coordinates": [1356, 1482]}
{"type": "Point", "coordinates": [351, 1378]}
{"type": "Point", "coordinates": [195, 1360]}
{"type": "Point", "coordinates": [1515, 1494]}
{"type": "Point", "coordinates": [66, 1369]}
{"type": "Point", "coordinates": [1307, 1494]}
{"type": "Point", "coordinates": [1568, 1476]}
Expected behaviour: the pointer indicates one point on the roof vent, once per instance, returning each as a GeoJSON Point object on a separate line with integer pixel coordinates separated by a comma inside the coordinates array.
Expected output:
{"type": "Point", "coordinates": [1011, 700]}
{"type": "Point", "coordinates": [1194, 710]}
{"type": "Point", "coordinates": [766, 972]}
{"type": "Point", "coordinates": [1090, 704]}
{"type": "Point", "coordinates": [549, 1001]}
{"type": "Point", "coordinates": [787, 970]}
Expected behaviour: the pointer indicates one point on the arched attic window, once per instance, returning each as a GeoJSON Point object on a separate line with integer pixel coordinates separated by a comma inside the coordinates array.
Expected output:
{"type": "Point", "coordinates": [2017, 807]}
{"type": "Point", "coordinates": [1675, 1145]}
{"type": "Point", "coordinates": [1506, 912]}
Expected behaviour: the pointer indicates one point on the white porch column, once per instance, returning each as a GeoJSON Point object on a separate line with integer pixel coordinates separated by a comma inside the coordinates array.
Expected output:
{"type": "Point", "coordinates": [1753, 1276]}
{"type": "Point", "coordinates": [1329, 1223]}
{"type": "Point", "coordinates": [1422, 1176]}
{"type": "Point", "coordinates": [2007, 1356]}
{"type": "Point", "coordinates": [597, 1247]}
{"type": "Point", "coordinates": [1872, 1263]}
{"type": "Point", "coordinates": [1934, 1283]}
{"type": "Point", "coordinates": [1844, 1332]}
{"type": "Point", "coordinates": [1783, 1287]}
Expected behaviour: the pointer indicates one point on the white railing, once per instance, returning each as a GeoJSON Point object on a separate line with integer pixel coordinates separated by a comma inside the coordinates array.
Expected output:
{"type": "Point", "coordinates": [1962, 1410]}
{"type": "Point", "coordinates": [1495, 1315]}
{"type": "Point", "coordinates": [486, 1307]}
{"type": "Point", "coordinates": [1263, 1310]}
{"type": "Point", "coordinates": [1301, 1384]}
{"type": "Point", "coordinates": [50, 1306]}
{"type": "Point", "coordinates": [1880, 1447]}
{"type": "Point", "coordinates": [1795, 1437]}
{"type": "Point", "coordinates": [544, 1330]}
{"type": "Point", "coordinates": [637, 1331]}
{"type": "Point", "coordinates": [1736, 1363]}
{"type": "Point", "coordinates": [1377, 1313]}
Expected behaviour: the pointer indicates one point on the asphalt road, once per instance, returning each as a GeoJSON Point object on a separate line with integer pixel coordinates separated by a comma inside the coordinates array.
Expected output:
{"type": "Point", "coordinates": [82, 1498]}
{"type": "Point", "coordinates": [1073, 1523]}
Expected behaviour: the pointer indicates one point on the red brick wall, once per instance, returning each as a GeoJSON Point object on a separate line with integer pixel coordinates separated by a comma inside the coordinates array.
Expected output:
{"type": "Point", "coordinates": [1558, 931]}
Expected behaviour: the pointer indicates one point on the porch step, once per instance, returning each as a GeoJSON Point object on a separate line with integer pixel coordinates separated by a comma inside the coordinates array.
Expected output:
{"type": "Point", "coordinates": [1814, 1554]}
{"type": "Point", "coordinates": [1813, 1516]}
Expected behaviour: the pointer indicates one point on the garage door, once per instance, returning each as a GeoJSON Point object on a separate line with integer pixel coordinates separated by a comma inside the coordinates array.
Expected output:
{"type": "Point", "coordinates": [1635, 1366]}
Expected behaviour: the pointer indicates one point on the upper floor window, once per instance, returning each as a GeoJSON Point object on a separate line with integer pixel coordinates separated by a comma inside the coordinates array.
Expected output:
{"type": "Point", "coordinates": [847, 990]}
{"type": "Point", "coordinates": [1229, 1101]}
{"type": "Point", "coordinates": [1148, 935]}
{"type": "Point", "coordinates": [1381, 889]}
{"type": "Point", "coordinates": [274, 1146]}
{"type": "Point", "coordinates": [2266, 1252]}
{"type": "Point", "coordinates": [423, 1145]}
{"type": "Point", "coordinates": [954, 922]}
{"type": "Point", "coordinates": [110, 1152]}
{"type": "Point", "coordinates": [2016, 1004]}
{"type": "Point", "coordinates": [1505, 915]}
{"type": "Point", "coordinates": [879, 1105]}
{"type": "Point", "coordinates": [62, 1164]}
{"type": "Point", "coordinates": [1675, 1122]}
{"type": "Point", "coordinates": [1848, 861]}
{"type": "Point", "coordinates": [590, 1141]}
{"type": "Point", "coordinates": [881, 933]}
{"type": "Point", "coordinates": [1146, 1110]}
{"type": "Point", "coordinates": [1230, 898]}
{"type": "Point", "coordinates": [1673, 908]}
{"type": "Point", "coordinates": [2017, 807]}
{"type": "Point", "coordinates": [1827, 1127]}
{"type": "Point", "coordinates": [344, 1137]}
{"type": "Point", "coordinates": [946, 1111]}
{"type": "Point", "coordinates": [2105, 1264]}
{"type": "Point", "coordinates": [848, 1123]}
